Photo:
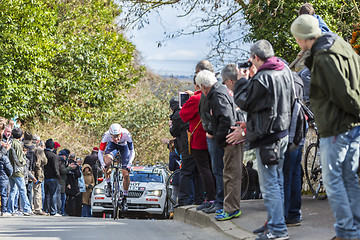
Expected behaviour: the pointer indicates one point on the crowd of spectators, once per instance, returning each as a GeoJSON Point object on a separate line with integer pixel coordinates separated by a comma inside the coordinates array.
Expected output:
{"type": "Point", "coordinates": [255, 108]}
{"type": "Point", "coordinates": [36, 180]}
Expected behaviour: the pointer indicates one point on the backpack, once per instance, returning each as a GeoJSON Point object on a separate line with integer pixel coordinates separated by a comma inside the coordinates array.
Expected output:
{"type": "Point", "coordinates": [297, 129]}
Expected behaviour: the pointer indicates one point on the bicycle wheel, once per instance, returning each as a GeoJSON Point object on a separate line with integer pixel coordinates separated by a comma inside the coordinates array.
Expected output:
{"type": "Point", "coordinates": [169, 186]}
{"type": "Point", "coordinates": [313, 171]}
{"type": "Point", "coordinates": [115, 199]}
{"type": "Point", "coordinates": [244, 181]}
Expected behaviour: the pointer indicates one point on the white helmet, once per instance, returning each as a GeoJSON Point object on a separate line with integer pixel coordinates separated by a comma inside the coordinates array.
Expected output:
{"type": "Point", "coordinates": [115, 129]}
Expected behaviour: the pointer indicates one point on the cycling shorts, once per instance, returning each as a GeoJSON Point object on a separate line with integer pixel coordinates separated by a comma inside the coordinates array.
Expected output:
{"type": "Point", "coordinates": [113, 149]}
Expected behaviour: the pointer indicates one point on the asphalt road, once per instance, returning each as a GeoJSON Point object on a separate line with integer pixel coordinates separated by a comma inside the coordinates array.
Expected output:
{"type": "Point", "coordinates": [64, 228]}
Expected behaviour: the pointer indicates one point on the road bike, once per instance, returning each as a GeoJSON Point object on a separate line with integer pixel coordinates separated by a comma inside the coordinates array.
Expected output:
{"type": "Point", "coordinates": [117, 193]}
{"type": "Point", "coordinates": [244, 184]}
{"type": "Point", "coordinates": [312, 165]}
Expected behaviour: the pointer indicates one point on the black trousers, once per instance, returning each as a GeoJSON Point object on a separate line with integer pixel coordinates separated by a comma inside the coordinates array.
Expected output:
{"type": "Point", "coordinates": [203, 163]}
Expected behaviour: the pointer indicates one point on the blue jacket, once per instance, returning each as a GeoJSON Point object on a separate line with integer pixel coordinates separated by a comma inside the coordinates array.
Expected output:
{"type": "Point", "coordinates": [6, 168]}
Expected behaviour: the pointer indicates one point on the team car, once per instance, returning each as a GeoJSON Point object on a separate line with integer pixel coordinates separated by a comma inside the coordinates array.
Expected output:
{"type": "Point", "coordinates": [147, 193]}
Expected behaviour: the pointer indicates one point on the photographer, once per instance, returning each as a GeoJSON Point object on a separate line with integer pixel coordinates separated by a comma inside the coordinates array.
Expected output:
{"type": "Point", "coordinates": [267, 99]}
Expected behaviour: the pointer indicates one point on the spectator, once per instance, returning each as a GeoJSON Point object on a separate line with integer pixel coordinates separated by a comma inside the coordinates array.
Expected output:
{"type": "Point", "coordinates": [189, 113]}
{"type": "Point", "coordinates": [93, 161]}
{"type": "Point", "coordinates": [72, 188]}
{"type": "Point", "coordinates": [6, 171]}
{"type": "Point", "coordinates": [335, 101]}
{"type": "Point", "coordinates": [216, 153]}
{"type": "Point", "coordinates": [223, 110]}
{"type": "Point", "coordinates": [18, 163]}
{"type": "Point", "coordinates": [189, 172]}
{"type": "Point", "coordinates": [304, 73]}
{"type": "Point", "coordinates": [174, 164]}
{"type": "Point", "coordinates": [86, 196]}
{"type": "Point", "coordinates": [41, 161]}
{"type": "Point", "coordinates": [292, 172]}
{"type": "Point", "coordinates": [31, 157]}
{"type": "Point", "coordinates": [65, 168]}
{"type": "Point", "coordinates": [52, 177]}
{"type": "Point", "coordinates": [82, 188]}
{"type": "Point", "coordinates": [28, 178]}
{"type": "Point", "coordinates": [267, 99]}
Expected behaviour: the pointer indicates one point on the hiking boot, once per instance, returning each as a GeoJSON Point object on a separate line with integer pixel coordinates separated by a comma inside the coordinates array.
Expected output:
{"type": "Point", "coordinates": [171, 216]}
{"type": "Point", "coordinates": [108, 189]}
{"type": "Point", "coordinates": [41, 213]}
{"type": "Point", "coordinates": [6, 214]}
{"type": "Point", "coordinates": [268, 235]}
{"type": "Point", "coordinates": [262, 228]}
{"type": "Point", "coordinates": [205, 204]}
{"type": "Point", "coordinates": [211, 209]}
{"type": "Point", "coordinates": [226, 216]}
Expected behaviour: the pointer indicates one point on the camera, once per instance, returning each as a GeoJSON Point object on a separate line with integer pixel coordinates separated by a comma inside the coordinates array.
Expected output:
{"type": "Point", "coordinates": [183, 97]}
{"type": "Point", "coordinates": [246, 64]}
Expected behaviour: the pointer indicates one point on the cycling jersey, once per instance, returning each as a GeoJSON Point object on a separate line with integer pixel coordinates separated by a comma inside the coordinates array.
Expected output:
{"type": "Point", "coordinates": [125, 141]}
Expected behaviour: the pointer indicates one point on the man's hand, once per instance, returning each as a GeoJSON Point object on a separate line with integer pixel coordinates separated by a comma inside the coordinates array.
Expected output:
{"type": "Point", "coordinates": [238, 134]}
{"type": "Point", "coordinates": [6, 145]}
{"type": "Point", "coordinates": [243, 73]}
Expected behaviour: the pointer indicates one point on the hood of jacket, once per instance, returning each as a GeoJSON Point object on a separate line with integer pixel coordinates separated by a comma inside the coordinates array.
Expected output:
{"type": "Point", "coordinates": [272, 63]}
{"type": "Point", "coordinates": [87, 166]}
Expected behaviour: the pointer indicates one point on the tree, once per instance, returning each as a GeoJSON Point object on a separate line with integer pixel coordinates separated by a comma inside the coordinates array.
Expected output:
{"type": "Point", "coordinates": [235, 22]}
{"type": "Point", "coordinates": [61, 58]}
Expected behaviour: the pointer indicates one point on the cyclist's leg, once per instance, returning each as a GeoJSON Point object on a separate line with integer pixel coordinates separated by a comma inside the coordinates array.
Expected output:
{"type": "Point", "coordinates": [124, 152]}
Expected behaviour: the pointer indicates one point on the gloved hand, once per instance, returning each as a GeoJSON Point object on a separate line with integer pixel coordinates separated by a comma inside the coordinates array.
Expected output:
{"type": "Point", "coordinates": [90, 186]}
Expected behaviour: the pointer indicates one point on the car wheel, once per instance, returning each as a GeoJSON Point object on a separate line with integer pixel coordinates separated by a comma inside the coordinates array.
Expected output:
{"type": "Point", "coordinates": [165, 214]}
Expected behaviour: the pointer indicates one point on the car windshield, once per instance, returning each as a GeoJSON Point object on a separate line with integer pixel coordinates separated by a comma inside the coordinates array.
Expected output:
{"type": "Point", "coordinates": [137, 176]}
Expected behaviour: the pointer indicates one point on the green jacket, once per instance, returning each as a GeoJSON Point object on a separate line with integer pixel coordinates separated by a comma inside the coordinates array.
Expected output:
{"type": "Point", "coordinates": [335, 85]}
{"type": "Point", "coordinates": [18, 161]}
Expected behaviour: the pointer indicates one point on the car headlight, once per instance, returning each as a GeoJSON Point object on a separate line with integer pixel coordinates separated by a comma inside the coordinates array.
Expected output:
{"type": "Point", "coordinates": [99, 191]}
{"type": "Point", "coordinates": [154, 193]}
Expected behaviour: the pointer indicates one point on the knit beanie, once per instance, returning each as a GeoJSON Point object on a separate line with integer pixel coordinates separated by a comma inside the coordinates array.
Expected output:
{"type": "Point", "coordinates": [17, 133]}
{"type": "Point", "coordinates": [49, 143]}
{"type": "Point", "coordinates": [305, 27]}
{"type": "Point", "coordinates": [28, 136]}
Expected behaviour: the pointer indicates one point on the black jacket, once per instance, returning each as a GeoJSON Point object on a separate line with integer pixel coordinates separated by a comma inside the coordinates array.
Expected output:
{"type": "Point", "coordinates": [72, 180]}
{"type": "Point", "coordinates": [223, 110]}
{"type": "Point", "coordinates": [51, 169]}
{"type": "Point", "coordinates": [179, 128]}
{"type": "Point", "coordinates": [267, 98]}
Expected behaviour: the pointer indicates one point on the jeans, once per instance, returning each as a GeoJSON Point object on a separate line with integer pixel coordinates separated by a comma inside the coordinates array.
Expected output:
{"type": "Point", "coordinates": [86, 210]}
{"type": "Point", "coordinates": [29, 192]}
{"type": "Point", "coordinates": [63, 200]}
{"type": "Point", "coordinates": [58, 197]}
{"type": "Point", "coordinates": [292, 184]}
{"type": "Point", "coordinates": [50, 192]}
{"type": "Point", "coordinates": [18, 183]}
{"type": "Point", "coordinates": [217, 166]}
{"type": "Point", "coordinates": [340, 159]}
{"type": "Point", "coordinates": [271, 184]}
{"type": "Point", "coordinates": [43, 196]}
{"type": "Point", "coordinates": [4, 194]}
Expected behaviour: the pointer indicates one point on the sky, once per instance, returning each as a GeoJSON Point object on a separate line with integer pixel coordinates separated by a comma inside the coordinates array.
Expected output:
{"type": "Point", "coordinates": [178, 56]}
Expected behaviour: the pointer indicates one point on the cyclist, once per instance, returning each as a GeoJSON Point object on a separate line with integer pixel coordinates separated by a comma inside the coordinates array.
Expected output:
{"type": "Point", "coordinates": [117, 139]}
